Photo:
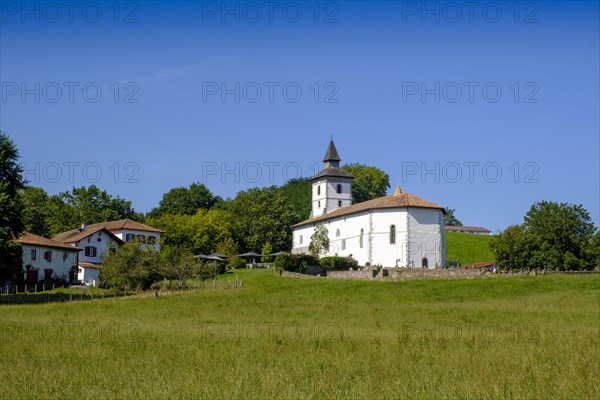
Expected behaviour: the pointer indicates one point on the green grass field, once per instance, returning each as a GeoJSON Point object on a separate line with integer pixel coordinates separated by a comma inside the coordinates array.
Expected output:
{"type": "Point", "coordinates": [468, 248]}
{"type": "Point", "coordinates": [293, 338]}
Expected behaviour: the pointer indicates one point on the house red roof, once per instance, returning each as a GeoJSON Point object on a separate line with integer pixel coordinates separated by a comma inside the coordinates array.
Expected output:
{"type": "Point", "coordinates": [397, 200]}
{"type": "Point", "coordinates": [31, 239]}
{"type": "Point", "coordinates": [75, 235]}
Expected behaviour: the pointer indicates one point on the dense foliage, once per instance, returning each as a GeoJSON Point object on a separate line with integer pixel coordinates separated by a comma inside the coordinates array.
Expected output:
{"type": "Point", "coordinates": [295, 262]}
{"type": "Point", "coordinates": [299, 194]}
{"type": "Point", "coordinates": [49, 215]}
{"type": "Point", "coordinates": [186, 201]}
{"type": "Point", "coordinates": [553, 235]}
{"type": "Point", "coordinates": [337, 263]}
{"type": "Point", "coordinates": [11, 209]}
{"type": "Point", "coordinates": [369, 182]}
{"type": "Point", "coordinates": [450, 219]}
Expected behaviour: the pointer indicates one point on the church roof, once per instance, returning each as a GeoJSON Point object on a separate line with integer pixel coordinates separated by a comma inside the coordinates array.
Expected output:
{"type": "Point", "coordinates": [331, 154]}
{"type": "Point", "coordinates": [397, 200]}
{"type": "Point", "coordinates": [334, 172]}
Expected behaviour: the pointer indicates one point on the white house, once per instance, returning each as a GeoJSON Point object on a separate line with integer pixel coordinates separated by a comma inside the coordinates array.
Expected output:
{"type": "Point", "coordinates": [401, 230]}
{"type": "Point", "coordinates": [46, 259]}
{"type": "Point", "coordinates": [96, 240]}
{"type": "Point", "coordinates": [474, 230]}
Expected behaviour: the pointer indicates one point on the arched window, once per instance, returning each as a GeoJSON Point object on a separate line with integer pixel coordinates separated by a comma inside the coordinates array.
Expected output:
{"type": "Point", "coordinates": [360, 239]}
{"type": "Point", "coordinates": [424, 263]}
{"type": "Point", "coordinates": [343, 244]}
{"type": "Point", "coordinates": [392, 234]}
{"type": "Point", "coordinates": [339, 188]}
{"type": "Point", "coordinates": [318, 190]}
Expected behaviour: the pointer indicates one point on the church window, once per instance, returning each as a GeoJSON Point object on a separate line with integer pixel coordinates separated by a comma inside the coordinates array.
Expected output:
{"type": "Point", "coordinates": [339, 188]}
{"type": "Point", "coordinates": [319, 204]}
{"type": "Point", "coordinates": [301, 239]}
{"type": "Point", "coordinates": [318, 190]}
{"type": "Point", "coordinates": [361, 238]}
{"type": "Point", "coordinates": [343, 244]}
{"type": "Point", "coordinates": [393, 234]}
{"type": "Point", "coordinates": [339, 203]}
{"type": "Point", "coordinates": [337, 232]}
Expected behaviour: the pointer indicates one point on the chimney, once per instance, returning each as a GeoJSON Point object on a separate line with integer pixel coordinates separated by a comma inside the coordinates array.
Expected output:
{"type": "Point", "coordinates": [82, 227]}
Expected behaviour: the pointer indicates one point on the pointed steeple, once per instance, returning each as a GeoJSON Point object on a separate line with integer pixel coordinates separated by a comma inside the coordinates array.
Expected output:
{"type": "Point", "coordinates": [398, 192]}
{"type": "Point", "coordinates": [332, 158]}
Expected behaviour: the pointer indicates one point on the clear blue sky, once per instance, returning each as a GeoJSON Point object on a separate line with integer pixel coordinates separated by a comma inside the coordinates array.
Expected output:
{"type": "Point", "coordinates": [406, 87]}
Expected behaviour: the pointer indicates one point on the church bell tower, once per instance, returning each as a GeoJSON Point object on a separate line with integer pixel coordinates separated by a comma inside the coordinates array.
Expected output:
{"type": "Point", "coordinates": [332, 187]}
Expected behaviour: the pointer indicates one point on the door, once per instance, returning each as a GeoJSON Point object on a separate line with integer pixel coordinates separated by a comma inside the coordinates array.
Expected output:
{"type": "Point", "coordinates": [32, 276]}
{"type": "Point", "coordinates": [425, 263]}
{"type": "Point", "coordinates": [47, 274]}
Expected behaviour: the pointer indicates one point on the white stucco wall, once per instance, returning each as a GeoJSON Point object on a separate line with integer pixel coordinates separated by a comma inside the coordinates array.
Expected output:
{"type": "Point", "coordinates": [122, 234]}
{"type": "Point", "coordinates": [89, 275]}
{"type": "Point", "coordinates": [419, 233]}
{"type": "Point", "coordinates": [101, 246]}
{"type": "Point", "coordinates": [328, 198]}
{"type": "Point", "coordinates": [61, 261]}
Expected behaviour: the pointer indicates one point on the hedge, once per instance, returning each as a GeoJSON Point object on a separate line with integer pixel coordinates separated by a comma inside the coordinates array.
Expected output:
{"type": "Point", "coordinates": [294, 262]}
{"type": "Point", "coordinates": [336, 263]}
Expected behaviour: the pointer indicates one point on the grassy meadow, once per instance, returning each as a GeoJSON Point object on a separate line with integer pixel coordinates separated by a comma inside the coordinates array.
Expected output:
{"type": "Point", "coordinates": [293, 338]}
{"type": "Point", "coordinates": [468, 248]}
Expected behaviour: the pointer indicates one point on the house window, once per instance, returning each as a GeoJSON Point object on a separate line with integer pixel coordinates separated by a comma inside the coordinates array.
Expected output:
{"type": "Point", "coordinates": [339, 203]}
{"type": "Point", "coordinates": [99, 239]}
{"type": "Point", "coordinates": [90, 251]}
{"type": "Point", "coordinates": [33, 254]}
{"type": "Point", "coordinates": [343, 244]}
{"type": "Point", "coordinates": [339, 188]}
{"type": "Point", "coordinates": [393, 234]}
{"type": "Point", "coordinates": [48, 256]}
{"type": "Point", "coordinates": [319, 204]}
{"type": "Point", "coordinates": [361, 237]}
{"type": "Point", "coordinates": [151, 239]}
{"type": "Point", "coordinates": [318, 190]}
{"type": "Point", "coordinates": [337, 232]}
{"type": "Point", "coordinates": [301, 239]}
{"type": "Point", "coordinates": [129, 237]}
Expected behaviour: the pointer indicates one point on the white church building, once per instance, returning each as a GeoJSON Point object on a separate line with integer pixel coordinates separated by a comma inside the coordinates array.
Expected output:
{"type": "Point", "coordinates": [401, 230]}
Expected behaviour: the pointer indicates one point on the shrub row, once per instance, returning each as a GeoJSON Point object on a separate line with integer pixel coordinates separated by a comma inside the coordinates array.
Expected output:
{"type": "Point", "coordinates": [336, 263]}
{"type": "Point", "coordinates": [294, 262]}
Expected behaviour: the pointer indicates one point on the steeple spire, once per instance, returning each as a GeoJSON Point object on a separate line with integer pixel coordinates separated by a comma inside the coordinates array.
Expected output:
{"type": "Point", "coordinates": [332, 158]}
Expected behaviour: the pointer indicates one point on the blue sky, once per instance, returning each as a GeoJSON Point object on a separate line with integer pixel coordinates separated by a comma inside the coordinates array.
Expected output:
{"type": "Point", "coordinates": [484, 110]}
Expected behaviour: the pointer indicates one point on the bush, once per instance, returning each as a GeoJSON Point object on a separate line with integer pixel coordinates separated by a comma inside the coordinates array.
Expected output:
{"type": "Point", "coordinates": [236, 263]}
{"type": "Point", "coordinates": [208, 270]}
{"type": "Point", "coordinates": [336, 263]}
{"type": "Point", "coordinates": [294, 262]}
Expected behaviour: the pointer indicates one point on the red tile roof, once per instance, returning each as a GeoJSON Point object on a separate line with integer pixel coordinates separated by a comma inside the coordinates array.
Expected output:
{"type": "Point", "coordinates": [31, 239]}
{"type": "Point", "coordinates": [84, 264]}
{"type": "Point", "coordinates": [75, 235]}
{"type": "Point", "coordinates": [127, 224]}
{"type": "Point", "coordinates": [397, 200]}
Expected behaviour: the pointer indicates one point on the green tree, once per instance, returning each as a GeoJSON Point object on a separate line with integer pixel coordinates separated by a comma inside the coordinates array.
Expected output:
{"type": "Point", "coordinates": [198, 234]}
{"type": "Point", "coordinates": [266, 250]}
{"type": "Point", "coordinates": [594, 250]}
{"type": "Point", "coordinates": [261, 215]}
{"type": "Point", "coordinates": [131, 267]}
{"type": "Point", "coordinates": [369, 182]}
{"type": "Point", "coordinates": [93, 205]}
{"type": "Point", "coordinates": [450, 219]}
{"type": "Point", "coordinates": [299, 194]}
{"type": "Point", "coordinates": [186, 201]}
{"type": "Point", "coordinates": [553, 235]}
{"type": "Point", "coordinates": [35, 212]}
{"type": "Point", "coordinates": [11, 209]}
{"type": "Point", "coordinates": [319, 241]}
{"type": "Point", "coordinates": [513, 247]}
